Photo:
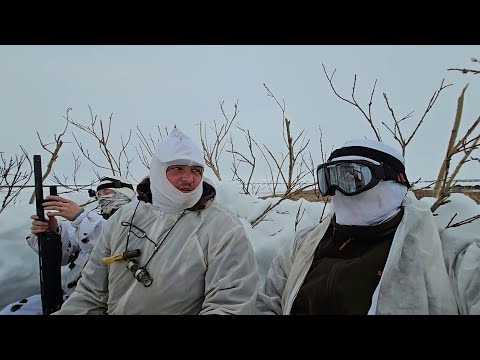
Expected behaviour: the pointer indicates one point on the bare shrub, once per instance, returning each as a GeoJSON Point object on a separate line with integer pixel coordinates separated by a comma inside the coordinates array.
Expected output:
{"type": "Point", "coordinates": [14, 176]}
{"type": "Point", "coordinates": [117, 163]}
{"type": "Point", "coordinates": [395, 130]}
{"type": "Point", "coordinates": [463, 147]}
{"type": "Point", "coordinates": [212, 151]}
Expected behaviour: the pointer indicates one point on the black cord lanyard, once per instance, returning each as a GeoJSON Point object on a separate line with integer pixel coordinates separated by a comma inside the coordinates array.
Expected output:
{"type": "Point", "coordinates": [158, 244]}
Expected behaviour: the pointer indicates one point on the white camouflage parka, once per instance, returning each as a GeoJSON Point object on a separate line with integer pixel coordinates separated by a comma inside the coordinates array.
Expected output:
{"type": "Point", "coordinates": [206, 264]}
{"type": "Point", "coordinates": [78, 239]}
{"type": "Point", "coordinates": [414, 280]}
{"type": "Point", "coordinates": [462, 259]}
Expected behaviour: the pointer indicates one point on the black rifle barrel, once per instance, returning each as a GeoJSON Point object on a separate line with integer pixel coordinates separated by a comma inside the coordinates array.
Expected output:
{"type": "Point", "coordinates": [49, 251]}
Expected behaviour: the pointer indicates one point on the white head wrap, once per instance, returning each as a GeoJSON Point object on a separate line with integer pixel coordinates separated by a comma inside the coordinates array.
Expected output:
{"type": "Point", "coordinates": [375, 205]}
{"type": "Point", "coordinates": [123, 195]}
{"type": "Point", "coordinates": [175, 149]}
{"type": "Point", "coordinates": [109, 203]}
{"type": "Point", "coordinates": [128, 192]}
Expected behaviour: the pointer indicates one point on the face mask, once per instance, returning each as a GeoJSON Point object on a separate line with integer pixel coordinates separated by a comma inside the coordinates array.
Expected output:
{"type": "Point", "coordinates": [109, 203]}
{"type": "Point", "coordinates": [371, 207]}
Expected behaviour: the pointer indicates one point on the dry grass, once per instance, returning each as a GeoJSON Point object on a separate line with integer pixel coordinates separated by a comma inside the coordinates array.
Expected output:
{"type": "Point", "coordinates": [475, 195]}
{"type": "Point", "coordinates": [310, 195]}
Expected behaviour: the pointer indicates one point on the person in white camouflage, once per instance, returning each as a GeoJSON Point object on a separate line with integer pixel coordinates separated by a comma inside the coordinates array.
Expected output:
{"type": "Point", "coordinates": [78, 235]}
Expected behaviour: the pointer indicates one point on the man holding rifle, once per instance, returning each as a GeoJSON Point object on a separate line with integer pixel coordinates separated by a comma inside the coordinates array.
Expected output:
{"type": "Point", "coordinates": [78, 236]}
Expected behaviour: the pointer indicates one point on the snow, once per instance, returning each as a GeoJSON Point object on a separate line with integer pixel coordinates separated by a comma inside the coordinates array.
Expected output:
{"type": "Point", "coordinates": [19, 276]}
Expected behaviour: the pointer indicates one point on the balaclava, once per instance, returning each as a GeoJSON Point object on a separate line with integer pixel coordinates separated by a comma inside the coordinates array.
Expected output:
{"type": "Point", "coordinates": [175, 149]}
{"type": "Point", "coordinates": [123, 194]}
{"type": "Point", "coordinates": [375, 205]}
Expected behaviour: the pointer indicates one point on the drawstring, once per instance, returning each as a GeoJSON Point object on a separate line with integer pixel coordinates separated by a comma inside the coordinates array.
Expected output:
{"type": "Point", "coordinates": [130, 228]}
{"type": "Point", "coordinates": [157, 246]}
{"type": "Point", "coordinates": [140, 272]}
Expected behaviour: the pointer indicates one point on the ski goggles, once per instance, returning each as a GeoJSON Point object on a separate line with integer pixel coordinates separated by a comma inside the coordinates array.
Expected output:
{"type": "Point", "coordinates": [109, 182]}
{"type": "Point", "coordinates": [351, 177]}
{"type": "Point", "coordinates": [112, 183]}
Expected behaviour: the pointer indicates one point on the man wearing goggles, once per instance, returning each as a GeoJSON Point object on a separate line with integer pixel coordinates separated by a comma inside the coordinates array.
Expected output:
{"type": "Point", "coordinates": [377, 252]}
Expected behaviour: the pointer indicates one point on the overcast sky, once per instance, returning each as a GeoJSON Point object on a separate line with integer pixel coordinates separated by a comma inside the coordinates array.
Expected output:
{"type": "Point", "coordinates": [147, 86]}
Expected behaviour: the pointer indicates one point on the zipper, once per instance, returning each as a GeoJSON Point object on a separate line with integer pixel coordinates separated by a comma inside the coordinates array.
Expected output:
{"type": "Point", "coordinates": [329, 289]}
{"type": "Point", "coordinates": [293, 294]}
{"type": "Point", "coordinates": [344, 244]}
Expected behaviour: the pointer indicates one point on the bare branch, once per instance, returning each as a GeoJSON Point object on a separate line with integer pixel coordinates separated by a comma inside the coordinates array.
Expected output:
{"type": "Point", "coordinates": [445, 181]}
{"type": "Point", "coordinates": [54, 154]}
{"type": "Point", "coordinates": [293, 180]}
{"type": "Point", "coordinates": [211, 154]}
{"type": "Point", "coordinates": [397, 132]}
{"type": "Point", "coordinates": [282, 107]}
{"type": "Point", "coordinates": [116, 164]}
{"type": "Point", "coordinates": [299, 217]}
{"type": "Point", "coordinates": [76, 186]}
{"type": "Point", "coordinates": [354, 101]}
{"type": "Point", "coordinates": [147, 146]}
{"type": "Point", "coordinates": [245, 185]}
{"type": "Point", "coordinates": [466, 71]}
{"type": "Point", "coordinates": [13, 177]}
{"type": "Point", "coordinates": [453, 217]}
{"type": "Point", "coordinates": [276, 232]}
{"type": "Point", "coordinates": [432, 101]}
{"type": "Point", "coordinates": [463, 222]}
{"type": "Point", "coordinates": [286, 196]}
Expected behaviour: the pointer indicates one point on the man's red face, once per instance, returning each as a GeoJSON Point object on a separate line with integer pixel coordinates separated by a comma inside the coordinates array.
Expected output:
{"type": "Point", "coordinates": [184, 177]}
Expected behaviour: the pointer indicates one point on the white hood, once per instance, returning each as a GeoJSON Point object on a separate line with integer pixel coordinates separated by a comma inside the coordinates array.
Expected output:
{"type": "Point", "coordinates": [175, 149]}
{"type": "Point", "coordinates": [375, 205]}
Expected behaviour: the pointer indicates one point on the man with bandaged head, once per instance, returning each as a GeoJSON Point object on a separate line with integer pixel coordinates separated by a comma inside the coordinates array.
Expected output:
{"type": "Point", "coordinates": [377, 252]}
{"type": "Point", "coordinates": [78, 235]}
{"type": "Point", "coordinates": [174, 251]}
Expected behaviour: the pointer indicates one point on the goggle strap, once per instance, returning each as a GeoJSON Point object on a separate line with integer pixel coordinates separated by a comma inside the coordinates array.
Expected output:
{"type": "Point", "coordinates": [114, 183]}
{"type": "Point", "coordinates": [398, 176]}
{"type": "Point", "coordinates": [369, 153]}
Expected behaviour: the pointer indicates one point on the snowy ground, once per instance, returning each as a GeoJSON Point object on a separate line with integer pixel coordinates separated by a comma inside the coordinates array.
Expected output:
{"type": "Point", "coordinates": [19, 264]}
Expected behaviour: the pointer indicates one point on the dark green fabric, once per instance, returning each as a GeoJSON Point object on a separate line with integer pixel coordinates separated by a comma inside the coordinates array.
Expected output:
{"type": "Point", "coordinates": [346, 269]}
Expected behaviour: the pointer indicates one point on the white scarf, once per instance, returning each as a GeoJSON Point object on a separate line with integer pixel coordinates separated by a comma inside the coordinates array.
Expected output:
{"type": "Point", "coordinates": [166, 196]}
{"type": "Point", "coordinates": [111, 202]}
{"type": "Point", "coordinates": [376, 205]}
{"type": "Point", "coordinates": [371, 207]}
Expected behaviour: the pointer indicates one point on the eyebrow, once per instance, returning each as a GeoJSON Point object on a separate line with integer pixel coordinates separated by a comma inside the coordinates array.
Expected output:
{"type": "Point", "coordinates": [191, 166]}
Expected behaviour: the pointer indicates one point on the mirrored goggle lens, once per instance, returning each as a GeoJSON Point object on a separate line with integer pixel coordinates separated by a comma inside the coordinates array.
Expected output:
{"type": "Point", "coordinates": [349, 177]}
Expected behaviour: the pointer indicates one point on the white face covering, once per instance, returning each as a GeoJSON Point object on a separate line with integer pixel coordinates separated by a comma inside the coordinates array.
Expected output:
{"type": "Point", "coordinates": [111, 202]}
{"type": "Point", "coordinates": [371, 207]}
{"type": "Point", "coordinates": [175, 149]}
{"type": "Point", "coordinates": [166, 196]}
{"type": "Point", "coordinates": [376, 205]}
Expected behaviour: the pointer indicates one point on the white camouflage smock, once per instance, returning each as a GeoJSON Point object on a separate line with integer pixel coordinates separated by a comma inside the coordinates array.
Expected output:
{"type": "Point", "coordinates": [78, 239]}
{"type": "Point", "coordinates": [206, 265]}
{"type": "Point", "coordinates": [414, 280]}
{"type": "Point", "coordinates": [462, 259]}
